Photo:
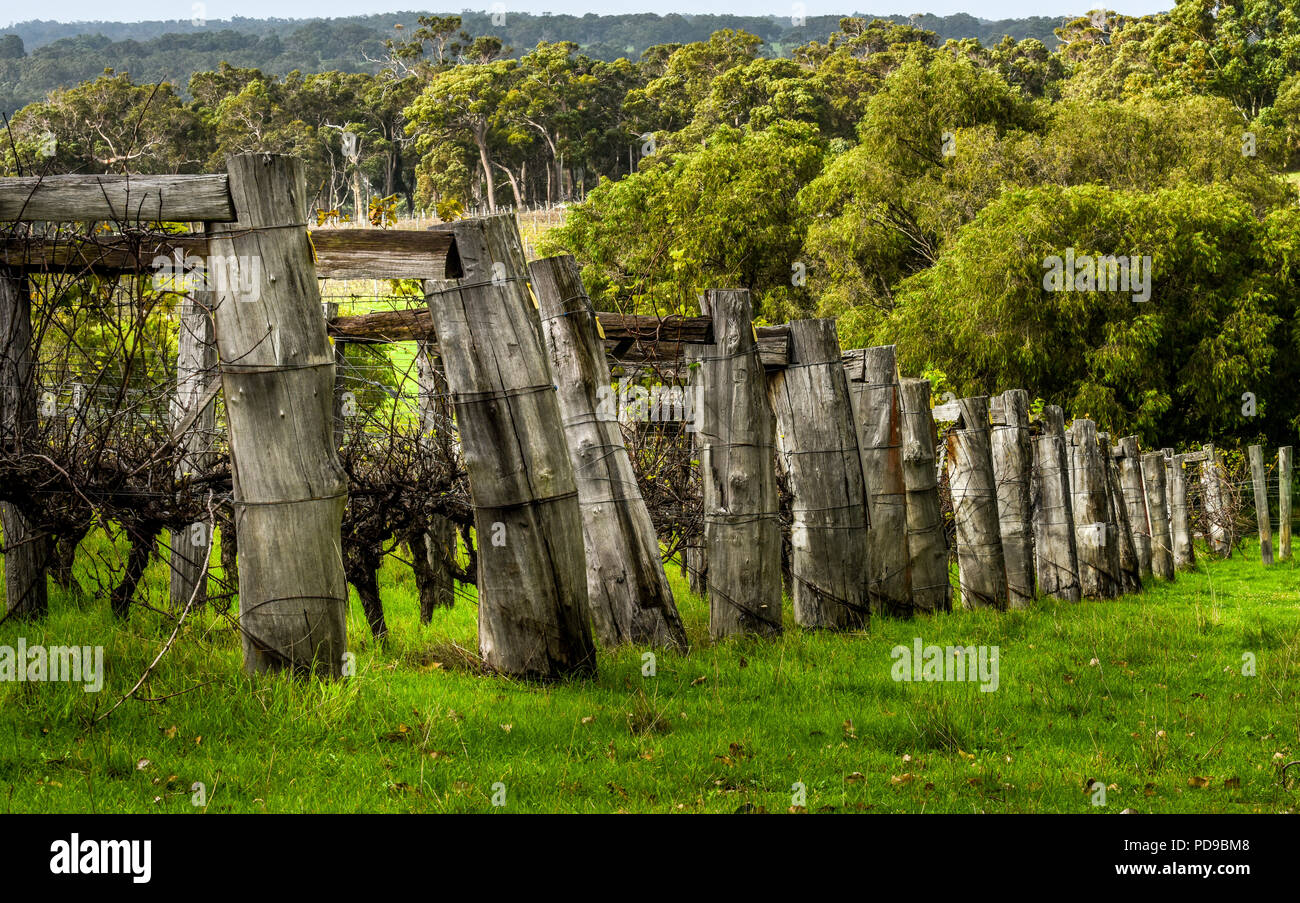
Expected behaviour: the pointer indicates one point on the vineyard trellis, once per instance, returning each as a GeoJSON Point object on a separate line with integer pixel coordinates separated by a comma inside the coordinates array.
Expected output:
{"type": "Point", "coordinates": [156, 382]}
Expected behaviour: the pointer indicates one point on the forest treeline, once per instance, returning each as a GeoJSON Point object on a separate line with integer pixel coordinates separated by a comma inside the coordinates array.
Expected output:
{"type": "Point", "coordinates": [912, 187]}
{"type": "Point", "coordinates": [37, 57]}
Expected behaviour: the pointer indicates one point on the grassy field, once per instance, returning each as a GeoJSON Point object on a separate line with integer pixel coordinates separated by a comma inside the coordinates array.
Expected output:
{"type": "Point", "coordinates": [1145, 695]}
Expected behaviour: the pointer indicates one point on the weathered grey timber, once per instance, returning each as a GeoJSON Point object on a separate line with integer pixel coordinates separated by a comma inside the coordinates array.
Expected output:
{"type": "Point", "coordinates": [1262, 514]}
{"type": "Point", "coordinates": [1056, 553]}
{"type": "Point", "coordinates": [1012, 468]}
{"type": "Point", "coordinates": [1129, 464]}
{"type": "Point", "coordinates": [532, 584]}
{"type": "Point", "coordinates": [1212, 492]}
{"type": "Point", "coordinates": [819, 444]}
{"type": "Point", "coordinates": [1162, 544]}
{"type": "Point", "coordinates": [277, 372]}
{"type": "Point", "coordinates": [1090, 502]}
{"type": "Point", "coordinates": [1129, 574]}
{"type": "Point", "coordinates": [627, 589]}
{"type": "Point", "coordinates": [927, 546]}
{"type": "Point", "coordinates": [694, 553]}
{"type": "Point", "coordinates": [1284, 502]}
{"type": "Point", "coordinates": [116, 198]}
{"type": "Point", "coordinates": [1180, 519]}
{"type": "Point", "coordinates": [26, 553]}
{"type": "Point", "coordinates": [737, 462]}
{"type": "Point", "coordinates": [876, 412]}
{"type": "Point", "coordinates": [980, 563]}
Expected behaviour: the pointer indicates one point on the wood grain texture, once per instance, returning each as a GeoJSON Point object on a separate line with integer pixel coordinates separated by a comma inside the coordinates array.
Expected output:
{"type": "Point", "coordinates": [1133, 494]}
{"type": "Point", "coordinates": [1012, 471]}
{"type": "Point", "coordinates": [627, 590]}
{"type": "Point", "coordinates": [532, 586]}
{"type": "Point", "coordinates": [927, 546]}
{"type": "Point", "coordinates": [1284, 503]}
{"type": "Point", "coordinates": [1180, 519]}
{"type": "Point", "coordinates": [737, 461]}
{"type": "Point", "coordinates": [1094, 535]}
{"type": "Point", "coordinates": [1212, 477]}
{"type": "Point", "coordinates": [1162, 544]}
{"type": "Point", "coordinates": [818, 442]}
{"type": "Point", "coordinates": [1117, 519]}
{"type": "Point", "coordinates": [277, 372]}
{"type": "Point", "coordinates": [1055, 551]}
{"type": "Point", "coordinates": [1262, 514]}
{"type": "Point", "coordinates": [980, 563]}
{"type": "Point", "coordinates": [116, 198]}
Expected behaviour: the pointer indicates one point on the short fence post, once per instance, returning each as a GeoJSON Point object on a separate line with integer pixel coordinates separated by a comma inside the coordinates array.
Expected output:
{"type": "Point", "coordinates": [1129, 577]}
{"type": "Point", "coordinates": [1284, 502]}
{"type": "Point", "coordinates": [1162, 552]}
{"type": "Point", "coordinates": [1056, 557]}
{"type": "Point", "coordinates": [1180, 520]}
{"type": "Point", "coordinates": [1012, 466]}
{"type": "Point", "coordinates": [1262, 518]}
{"type": "Point", "coordinates": [1134, 499]}
{"type": "Point", "coordinates": [1098, 552]}
{"type": "Point", "coordinates": [927, 547]}
{"type": "Point", "coordinates": [1212, 491]}
{"type": "Point", "coordinates": [980, 563]}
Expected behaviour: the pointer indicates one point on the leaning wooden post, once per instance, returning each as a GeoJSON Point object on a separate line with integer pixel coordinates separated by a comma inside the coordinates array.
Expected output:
{"type": "Point", "coordinates": [1090, 501]}
{"type": "Point", "coordinates": [874, 392]}
{"type": "Point", "coordinates": [1012, 466]}
{"type": "Point", "coordinates": [1180, 519]}
{"type": "Point", "coordinates": [819, 444]}
{"type": "Point", "coordinates": [1261, 503]}
{"type": "Point", "coordinates": [1134, 499]}
{"type": "Point", "coordinates": [1162, 545]}
{"type": "Point", "coordinates": [980, 563]}
{"type": "Point", "coordinates": [277, 371]}
{"type": "Point", "coordinates": [1212, 491]}
{"type": "Point", "coordinates": [627, 589]}
{"type": "Point", "coordinates": [1284, 502]}
{"type": "Point", "coordinates": [1117, 519]}
{"type": "Point", "coordinates": [927, 546]}
{"type": "Point", "coordinates": [1056, 552]}
{"type": "Point", "coordinates": [26, 554]}
{"type": "Point", "coordinates": [533, 618]}
{"type": "Point", "coordinates": [741, 529]}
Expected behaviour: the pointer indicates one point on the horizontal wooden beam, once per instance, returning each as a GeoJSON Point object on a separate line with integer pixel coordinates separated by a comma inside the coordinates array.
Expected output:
{"type": "Point", "coordinates": [117, 199]}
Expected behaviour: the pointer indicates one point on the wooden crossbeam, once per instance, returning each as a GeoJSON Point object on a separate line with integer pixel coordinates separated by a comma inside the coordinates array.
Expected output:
{"type": "Point", "coordinates": [116, 198]}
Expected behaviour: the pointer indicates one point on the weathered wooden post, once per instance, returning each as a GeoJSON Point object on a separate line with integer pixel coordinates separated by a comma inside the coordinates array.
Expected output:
{"type": "Point", "coordinates": [1129, 575]}
{"type": "Point", "coordinates": [1012, 467]}
{"type": "Point", "coordinates": [533, 616]}
{"type": "Point", "coordinates": [927, 547]}
{"type": "Point", "coordinates": [1180, 520]}
{"type": "Point", "coordinates": [818, 441]}
{"type": "Point", "coordinates": [1262, 514]}
{"type": "Point", "coordinates": [277, 371]}
{"type": "Point", "coordinates": [26, 553]}
{"type": "Point", "coordinates": [1090, 501]}
{"type": "Point", "coordinates": [1284, 502]}
{"type": "Point", "coordinates": [874, 392]}
{"type": "Point", "coordinates": [627, 589]}
{"type": "Point", "coordinates": [1212, 492]}
{"type": "Point", "coordinates": [742, 533]}
{"type": "Point", "coordinates": [1134, 499]}
{"type": "Point", "coordinates": [1056, 553]}
{"type": "Point", "coordinates": [694, 553]}
{"type": "Point", "coordinates": [1153, 479]}
{"type": "Point", "coordinates": [433, 549]}
{"type": "Point", "coordinates": [981, 567]}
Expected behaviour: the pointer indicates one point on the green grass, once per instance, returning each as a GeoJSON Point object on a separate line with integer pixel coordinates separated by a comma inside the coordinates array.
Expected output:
{"type": "Point", "coordinates": [1145, 694]}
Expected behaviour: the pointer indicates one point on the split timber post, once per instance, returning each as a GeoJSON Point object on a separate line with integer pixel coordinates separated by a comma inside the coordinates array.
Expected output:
{"type": "Point", "coordinates": [196, 366]}
{"type": "Point", "coordinates": [533, 618]}
{"type": "Point", "coordinates": [1162, 551]}
{"type": "Point", "coordinates": [1134, 499]}
{"type": "Point", "coordinates": [433, 549]}
{"type": "Point", "coordinates": [1129, 573]}
{"type": "Point", "coordinates": [1169, 497]}
{"type": "Point", "coordinates": [1056, 552]}
{"type": "Point", "coordinates": [627, 589]}
{"type": "Point", "coordinates": [26, 554]}
{"type": "Point", "coordinates": [1260, 480]}
{"type": "Point", "coordinates": [1090, 502]}
{"type": "Point", "coordinates": [874, 392]}
{"type": "Point", "coordinates": [1180, 519]}
{"type": "Point", "coordinates": [742, 533]}
{"type": "Point", "coordinates": [1012, 466]}
{"type": "Point", "coordinates": [1212, 491]}
{"type": "Point", "coordinates": [980, 563]}
{"type": "Point", "coordinates": [927, 546]}
{"type": "Point", "coordinates": [819, 444]}
{"type": "Point", "coordinates": [694, 554]}
{"type": "Point", "coordinates": [1284, 502]}
{"type": "Point", "coordinates": [277, 371]}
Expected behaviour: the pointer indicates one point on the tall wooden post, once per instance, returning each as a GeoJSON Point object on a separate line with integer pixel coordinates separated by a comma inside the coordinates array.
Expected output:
{"type": "Point", "coordinates": [1056, 553]}
{"type": "Point", "coordinates": [1090, 498]}
{"type": "Point", "coordinates": [1012, 468]}
{"type": "Point", "coordinates": [1162, 544]}
{"type": "Point", "coordinates": [927, 547]}
{"type": "Point", "coordinates": [1262, 514]}
{"type": "Point", "coordinates": [626, 586]}
{"type": "Point", "coordinates": [433, 549]}
{"type": "Point", "coordinates": [980, 563]}
{"type": "Point", "coordinates": [26, 553]}
{"type": "Point", "coordinates": [1129, 575]}
{"type": "Point", "coordinates": [277, 372]}
{"type": "Point", "coordinates": [1284, 502]}
{"type": "Point", "coordinates": [876, 411]}
{"type": "Point", "coordinates": [741, 528]}
{"type": "Point", "coordinates": [1180, 519]}
{"type": "Point", "coordinates": [1212, 491]}
{"type": "Point", "coordinates": [533, 616]}
{"type": "Point", "coordinates": [818, 441]}
{"type": "Point", "coordinates": [1134, 499]}
{"type": "Point", "coordinates": [694, 553]}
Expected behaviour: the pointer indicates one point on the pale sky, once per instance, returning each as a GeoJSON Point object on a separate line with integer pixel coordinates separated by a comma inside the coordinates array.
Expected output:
{"type": "Point", "coordinates": [138, 10]}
